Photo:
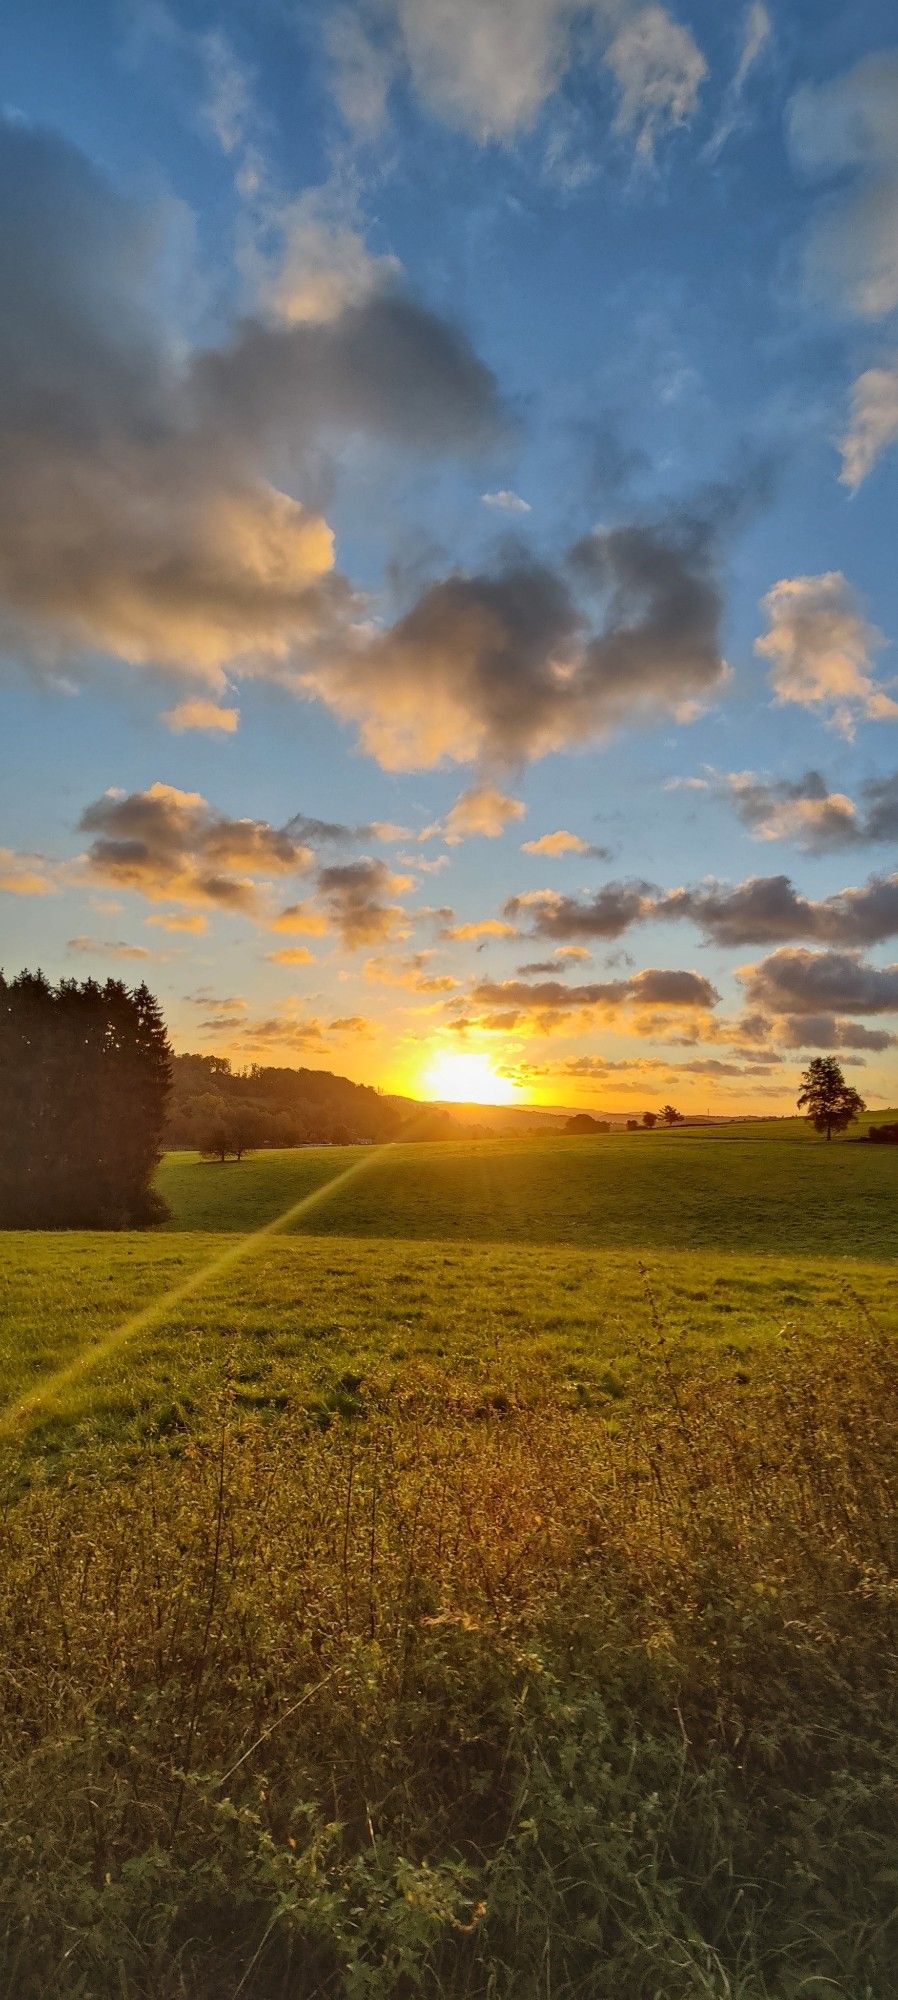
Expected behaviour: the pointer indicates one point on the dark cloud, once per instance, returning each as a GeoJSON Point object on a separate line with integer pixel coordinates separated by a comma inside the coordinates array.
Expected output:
{"type": "Point", "coordinates": [655, 986]}
{"type": "Point", "coordinates": [825, 982]}
{"type": "Point", "coordinates": [823, 1031]}
{"type": "Point", "coordinates": [806, 811]}
{"type": "Point", "coordinates": [171, 846]}
{"type": "Point", "coordinates": [880, 820]}
{"type": "Point", "coordinates": [510, 665]}
{"type": "Point", "coordinates": [140, 510]}
{"type": "Point", "coordinates": [606, 914]}
{"type": "Point", "coordinates": [354, 896]}
{"type": "Point", "coordinates": [767, 910]}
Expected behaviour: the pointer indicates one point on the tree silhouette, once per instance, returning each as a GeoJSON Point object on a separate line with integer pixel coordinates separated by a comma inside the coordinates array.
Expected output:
{"type": "Point", "coordinates": [669, 1115]}
{"type": "Point", "coordinates": [84, 1077]}
{"type": "Point", "coordinates": [649, 1119]}
{"type": "Point", "coordinates": [828, 1102]}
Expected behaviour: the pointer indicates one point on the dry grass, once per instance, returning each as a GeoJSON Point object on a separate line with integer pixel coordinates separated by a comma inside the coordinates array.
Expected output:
{"type": "Point", "coordinates": [464, 1697]}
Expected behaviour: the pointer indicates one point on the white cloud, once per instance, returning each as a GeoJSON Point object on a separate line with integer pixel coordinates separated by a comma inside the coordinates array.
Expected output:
{"type": "Point", "coordinates": [659, 71]}
{"type": "Point", "coordinates": [820, 647]}
{"type": "Point", "coordinates": [757, 30]}
{"type": "Point", "coordinates": [488, 67]}
{"type": "Point", "coordinates": [852, 124]}
{"type": "Point", "coordinates": [873, 424]}
{"type": "Point", "coordinates": [508, 502]}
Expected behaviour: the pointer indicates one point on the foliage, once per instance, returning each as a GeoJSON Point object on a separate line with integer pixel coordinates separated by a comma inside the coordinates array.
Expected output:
{"type": "Point", "coordinates": [669, 1115]}
{"type": "Point", "coordinates": [650, 1120]}
{"type": "Point", "coordinates": [829, 1103]}
{"type": "Point", "coordinates": [281, 1107]}
{"type": "Point", "coordinates": [84, 1077]}
{"type": "Point", "coordinates": [883, 1135]}
{"type": "Point", "coordinates": [451, 1700]}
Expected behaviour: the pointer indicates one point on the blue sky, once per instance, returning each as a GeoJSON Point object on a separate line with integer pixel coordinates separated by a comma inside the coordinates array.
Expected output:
{"type": "Point", "coordinates": [432, 434]}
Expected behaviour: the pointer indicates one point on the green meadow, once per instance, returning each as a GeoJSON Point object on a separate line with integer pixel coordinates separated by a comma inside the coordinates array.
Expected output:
{"type": "Point", "coordinates": [461, 1569]}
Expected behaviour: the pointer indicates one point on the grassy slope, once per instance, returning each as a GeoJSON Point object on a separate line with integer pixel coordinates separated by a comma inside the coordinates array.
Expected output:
{"type": "Point", "coordinates": [654, 1192]}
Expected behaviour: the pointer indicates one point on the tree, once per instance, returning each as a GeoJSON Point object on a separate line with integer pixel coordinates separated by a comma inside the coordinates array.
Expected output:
{"type": "Point", "coordinates": [669, 1115]}
{"type": "Point", "coordinates": [650, 1120]}
{"type": "Point", "coordinates": [84, 1078]}
{"type": "Point", "coordinates": [828, 1102]}
{"type": "Point", "coordinates": [229, 1133]}
{"type": "Point", "coordinates": [633, 1124]}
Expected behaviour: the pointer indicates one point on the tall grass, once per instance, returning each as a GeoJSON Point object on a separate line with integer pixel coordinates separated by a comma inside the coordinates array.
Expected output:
{"type": "Point", "coordinates": [457, 1696]}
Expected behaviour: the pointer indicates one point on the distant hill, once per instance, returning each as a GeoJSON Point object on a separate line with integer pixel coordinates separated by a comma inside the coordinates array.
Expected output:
{"type": "Point", "coordinates": [277, 1106]}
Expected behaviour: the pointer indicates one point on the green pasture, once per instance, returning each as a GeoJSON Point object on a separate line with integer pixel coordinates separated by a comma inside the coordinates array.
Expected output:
{"type": "Point", "coordinates": [654, 1191]}
{"type": "Point", "coordinates": [522, 1269]}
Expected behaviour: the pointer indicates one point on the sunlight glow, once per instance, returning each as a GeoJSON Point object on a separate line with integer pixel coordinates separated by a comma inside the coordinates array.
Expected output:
{"type": "Point", "coordinates": [466, 1076]}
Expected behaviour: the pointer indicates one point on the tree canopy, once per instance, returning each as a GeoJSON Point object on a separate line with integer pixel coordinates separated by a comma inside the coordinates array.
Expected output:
{"type": "Point", "coordinates": [84, 1077]}
{"type": "Point", "coordinates": [828, 1102]}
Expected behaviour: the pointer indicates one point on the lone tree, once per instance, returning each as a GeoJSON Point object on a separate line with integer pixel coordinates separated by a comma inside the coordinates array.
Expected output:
{"type": "Point", "coordinates": [669, 1115]}
{"type": "Point", "coordinates": [84, 1077]}
{"type": "Point", "coordinates": [650, 1120]}
{"type": "Point", "coordinates": [828, 1102]}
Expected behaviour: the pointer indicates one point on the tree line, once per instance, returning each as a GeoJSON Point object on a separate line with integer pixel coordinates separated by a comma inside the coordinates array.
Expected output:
{"type": "Point", "coordinates": [85, 1073]}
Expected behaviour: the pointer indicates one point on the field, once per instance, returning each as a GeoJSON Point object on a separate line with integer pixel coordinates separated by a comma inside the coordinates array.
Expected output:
{"type": "Point", "coordinates": [464, 1569]}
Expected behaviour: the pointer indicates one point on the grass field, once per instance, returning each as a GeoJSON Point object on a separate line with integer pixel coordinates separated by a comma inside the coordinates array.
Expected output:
{"type": "Point", "coordinates": [465, 1569]}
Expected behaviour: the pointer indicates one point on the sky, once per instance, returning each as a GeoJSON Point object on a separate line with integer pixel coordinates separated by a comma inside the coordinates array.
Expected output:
{"type": "Point", "coordinates": [448, 594]}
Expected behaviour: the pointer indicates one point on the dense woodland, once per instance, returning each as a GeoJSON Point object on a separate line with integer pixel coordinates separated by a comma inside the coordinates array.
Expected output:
{"type": "Point", "coordinates": [85, 1072]}
{"type": "Point", "coordinates": [220, 1111]}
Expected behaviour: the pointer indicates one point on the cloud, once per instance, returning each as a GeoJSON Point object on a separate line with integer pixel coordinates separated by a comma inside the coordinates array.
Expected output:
{"type": "Point", "coordinates": [488, 69]}
{"type": "Point", "coordinates": [767, 909]}
{"type": "Point", "coordinates": [172, 846]}
{"type": "Point", "coordinates": [486, 927]}
{"type": "Point", "coordinates": [196, 924]}
{"type": "Point", "coordinates": [295, 954]}
{"type": "Point", "coordinates": [850, 126]}
{"type": "Point", "coordinates": [805, 811]}
{"type": "Point", "coordinates": [300, 919]}
{"type": "Point", "coordinates": [504, 666]}
{"type": "Point", "coordinates": [201, 714]}
{"type": "Point", "coordinates": [606, 914]}
{"type": "Point", "coordinates": [506, 501]}
{"type": "Point", "coordinates": [561, 842]}
{"type": "Point", "coordinates": [873, 424]}
{"type": "Point", "coordinates": [322, 266]}
{"type": "Point", "coordinates": [757, 31]}
{"type": "Point", "coordinates": [802, 810]}
{"type": "Point", "coordinates": [824, 1031]}
{"type": "Point", "coordinates": [25, 874]}
{"type": "Point", "coordinates": [820, 648]}
{"type": "Point", "coordinates": [106, 948]}
{"type": "Point", "coordinates": [354, 897]}
{"type": "Point", "coordinates": [659, 72]}
{"type": "Point", "coordinates": [482, 810]}
{"type": "Point", "coordinates": [825, 982]}
{"type": "Point", "coordinates": [657, 987]}
{"type": "Point", "coordinates": [142, 502]}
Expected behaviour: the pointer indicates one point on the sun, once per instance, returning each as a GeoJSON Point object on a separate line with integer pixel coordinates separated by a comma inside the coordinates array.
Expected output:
{"type": "Point", "coordinates": [459, 1076]}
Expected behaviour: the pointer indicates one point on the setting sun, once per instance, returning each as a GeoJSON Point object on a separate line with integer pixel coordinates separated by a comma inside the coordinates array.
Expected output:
{"type": "Point", "coordinates": [458, 1076]}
